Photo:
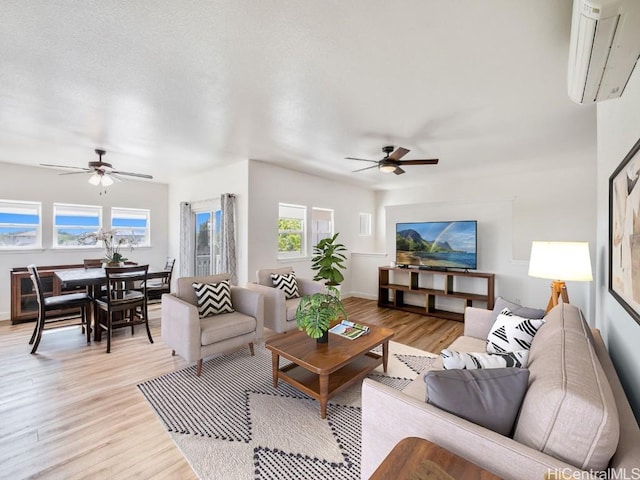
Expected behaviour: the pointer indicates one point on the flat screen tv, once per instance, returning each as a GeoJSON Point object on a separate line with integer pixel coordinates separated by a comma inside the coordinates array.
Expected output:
{"type": "Point", "coordinates": [437, 245]}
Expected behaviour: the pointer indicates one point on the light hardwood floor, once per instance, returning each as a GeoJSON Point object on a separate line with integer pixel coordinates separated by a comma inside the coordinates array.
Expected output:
{"type": "Point", "coordinates": [71, 411]}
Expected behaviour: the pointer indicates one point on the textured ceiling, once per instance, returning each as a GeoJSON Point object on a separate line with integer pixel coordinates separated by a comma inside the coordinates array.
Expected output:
{"type": "Point", "coordinates": [176, 87]}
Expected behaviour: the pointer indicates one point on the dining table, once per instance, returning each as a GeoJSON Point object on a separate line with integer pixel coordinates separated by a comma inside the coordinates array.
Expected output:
{"type": "Point", "coordinates": [94, 279]}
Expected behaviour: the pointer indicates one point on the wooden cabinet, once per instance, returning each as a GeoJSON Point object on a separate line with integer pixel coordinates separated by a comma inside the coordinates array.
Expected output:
{"type": "Point", "coordinates": [429, 286]}
{"type": "Point", "coordinates": [24, 302]}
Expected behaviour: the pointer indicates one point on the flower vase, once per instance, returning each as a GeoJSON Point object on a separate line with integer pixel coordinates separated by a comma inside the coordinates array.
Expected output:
{"type": "Point", "coordinates": [324, 338]}
{"type": "Point", "coordinates": [112, 264]}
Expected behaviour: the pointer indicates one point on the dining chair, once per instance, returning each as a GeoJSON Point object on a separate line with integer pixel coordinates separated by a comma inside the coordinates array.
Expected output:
{"type": "Point", "coordinates": [157, 286]}
{"type": "Point", "coordinates": [93, 263]}
{"type": "Point", "coordinates": [50, 304]}
{"type": "Point", "coordinates": [122, 306]}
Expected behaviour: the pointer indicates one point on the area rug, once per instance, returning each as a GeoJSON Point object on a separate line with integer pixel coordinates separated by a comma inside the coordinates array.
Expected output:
{"type": "Point", "coordinates": [231, 423]}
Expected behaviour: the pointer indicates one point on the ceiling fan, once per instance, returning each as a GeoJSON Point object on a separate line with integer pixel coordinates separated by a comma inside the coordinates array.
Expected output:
{"type": "Point", "coordinates": [392, 163]}
{"type": "Point", "coordinates": [103, 172]}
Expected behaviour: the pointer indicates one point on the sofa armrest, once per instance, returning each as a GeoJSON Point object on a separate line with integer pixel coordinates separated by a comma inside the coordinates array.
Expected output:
{"type": "Point", "coordinates": [250, 302]}
{"type": "Point", "coordinates": [180, 327]}
{"type": "Point", "coordinates": [307, 286]}
{"type": "Point", "coordinates": [388, 416]}
{"type": "Point", "coordinates": [275, 306]}
{"type": "Point", "coordinates": [477, 322]}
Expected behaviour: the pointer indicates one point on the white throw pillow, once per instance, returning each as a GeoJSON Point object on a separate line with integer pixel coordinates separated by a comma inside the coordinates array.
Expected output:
{"type": "Point", "coordinates": [511, 333]}
{"type": "Point", "coordinates": [472, 360]}
{"type": "Point", "coordinates": [213, 298]}
{"type": "Point", "coordinates": [287, 283]}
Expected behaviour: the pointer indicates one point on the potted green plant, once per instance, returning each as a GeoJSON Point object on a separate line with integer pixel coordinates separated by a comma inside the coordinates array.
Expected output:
{"type": "Point", "coordinates": [316, 312]}
{"type": "Point", "coordinates": [327, 261]}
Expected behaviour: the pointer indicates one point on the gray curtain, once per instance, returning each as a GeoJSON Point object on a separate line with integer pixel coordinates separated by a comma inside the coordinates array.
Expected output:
{"type": "Point", "coordinates": [187, 240]}
{"type": "Point", "coordinates": [228, 240]}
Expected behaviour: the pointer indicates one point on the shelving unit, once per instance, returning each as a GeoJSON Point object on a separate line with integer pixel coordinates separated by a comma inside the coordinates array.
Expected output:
{"type": "Point", "coordinates": [412, 281]}
{"type": "Point", "coordinates": [24, 303]}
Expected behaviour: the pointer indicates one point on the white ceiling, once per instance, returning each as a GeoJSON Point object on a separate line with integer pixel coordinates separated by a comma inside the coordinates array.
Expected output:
{"type": "Point", "coordinates": [176, 87]}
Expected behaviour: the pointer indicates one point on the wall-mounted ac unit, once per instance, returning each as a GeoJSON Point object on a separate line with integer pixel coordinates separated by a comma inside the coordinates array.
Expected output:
{"type": "Point", "coordinates": [604, 49]}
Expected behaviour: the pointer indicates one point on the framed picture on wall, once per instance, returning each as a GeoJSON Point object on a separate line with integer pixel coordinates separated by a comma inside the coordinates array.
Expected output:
{"type": "Point", "coordinates": [624, 233]}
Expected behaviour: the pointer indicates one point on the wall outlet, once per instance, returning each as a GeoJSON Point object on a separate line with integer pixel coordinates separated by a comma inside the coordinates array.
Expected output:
{"type": "Point", "coordinates": [518, 301]}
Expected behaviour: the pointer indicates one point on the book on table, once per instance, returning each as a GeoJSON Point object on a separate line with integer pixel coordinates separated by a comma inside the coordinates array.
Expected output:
{"type": "Point", "coordinates": [349, 329]}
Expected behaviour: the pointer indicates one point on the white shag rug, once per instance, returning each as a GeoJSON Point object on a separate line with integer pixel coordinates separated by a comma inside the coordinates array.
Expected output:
{"type": "Point", "coordinates": [230, 423]}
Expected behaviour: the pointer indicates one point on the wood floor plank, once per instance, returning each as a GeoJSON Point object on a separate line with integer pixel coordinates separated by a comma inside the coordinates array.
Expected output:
{"type": "Point", "coordinates": [71, 411]}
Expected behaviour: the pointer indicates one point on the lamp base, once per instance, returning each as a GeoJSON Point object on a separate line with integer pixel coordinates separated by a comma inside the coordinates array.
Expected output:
{"type": "Point", "coordinates": [558, 289]}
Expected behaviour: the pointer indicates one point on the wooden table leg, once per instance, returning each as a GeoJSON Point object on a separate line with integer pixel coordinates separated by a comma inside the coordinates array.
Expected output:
{"type": "Point", "coordinates": [275, 362]}
{"type": "Point", "coordinates": [385, 355]}
{"type": "Point", "coordinates": [324, 395]}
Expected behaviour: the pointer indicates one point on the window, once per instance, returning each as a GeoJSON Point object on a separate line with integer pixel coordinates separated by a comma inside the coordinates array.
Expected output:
{"type": "Point", "coordinates": [321, 224]}
{"type": "Point", "coordinates": [365, 224]}
{"type": "Point", "coordinates": [132, 222]}
{"type": "Point", "coordinates": [70, 222]}
{"type": "Point", "coordinates": [20, 224]}
{"type": "Point", "coordinates": [207, 242]}
{"type": "Point", "coordinates": [291, 231]}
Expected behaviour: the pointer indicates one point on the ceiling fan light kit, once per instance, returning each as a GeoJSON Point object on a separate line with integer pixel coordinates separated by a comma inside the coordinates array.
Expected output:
{"type": "Point", "coordinates": [391, 163]}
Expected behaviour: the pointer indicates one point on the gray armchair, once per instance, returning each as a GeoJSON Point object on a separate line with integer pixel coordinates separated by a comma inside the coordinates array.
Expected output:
{"type": "Point", "coordinates": [194, 338]}
{"type": "Point", "coordinates": [280, 313]}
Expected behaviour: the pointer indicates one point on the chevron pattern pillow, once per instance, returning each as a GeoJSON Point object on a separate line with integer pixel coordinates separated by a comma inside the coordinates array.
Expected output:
{"type": "Point", "coordinates": [511, 332]}
{"type": "Point", "coordinates": [473, 360]}
{"type": "Point", "coordinates": [213, 298]}
{"type": "Point", "coordinates": [287, 283]}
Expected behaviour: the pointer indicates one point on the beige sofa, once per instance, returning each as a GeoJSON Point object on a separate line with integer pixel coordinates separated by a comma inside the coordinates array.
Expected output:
{"type": "Point", "coordinates": [574, 417]}
{"type": "Point", "coordinates": [280, 312]}
{"type": "Point", "coordinates": [194, 338]}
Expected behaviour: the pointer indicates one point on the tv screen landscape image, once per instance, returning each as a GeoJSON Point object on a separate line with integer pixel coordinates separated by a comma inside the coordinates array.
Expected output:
{"type": "Point", "coordinates": [437, 245]}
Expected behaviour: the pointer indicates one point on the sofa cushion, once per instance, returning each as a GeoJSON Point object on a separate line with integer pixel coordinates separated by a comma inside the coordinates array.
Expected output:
{"type": "Point", "coordinates": [517, 309]}
{"type": "Point", "coordinates": [213, 298]}
{"type": "Point", "coordinates": [263, 277]}
{"type": "Point", "coordinates": [217, 328]}
{"type": "Point", "coordinates": [292, 307]}
{"type": "Point", "coordinates": [510, 333]}
{"type": "Point", "coordinates": [490, 398]}
{"type": "Point", "coordinates": [569, 411]}
{"type": "Point", "coordinates": [474, 360]}
{"type": "Point", "coordinates": [287, 283]}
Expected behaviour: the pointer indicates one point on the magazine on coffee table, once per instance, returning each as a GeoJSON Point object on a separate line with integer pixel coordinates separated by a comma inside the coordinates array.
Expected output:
{"type": "Point", "coordinates": [349, 329]}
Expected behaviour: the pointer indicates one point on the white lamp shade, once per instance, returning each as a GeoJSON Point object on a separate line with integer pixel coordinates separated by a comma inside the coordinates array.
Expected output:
{"type": "Point", "coordinates": [106, 180]}
{"type": "Point", "coordinates": [567, 261]}
{"type": "Point", "coordinates": [94, 179]}
{"type": "Point", "coordinates": [387, 168]}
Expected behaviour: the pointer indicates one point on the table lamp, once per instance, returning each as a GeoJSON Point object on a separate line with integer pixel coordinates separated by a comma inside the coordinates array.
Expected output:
{"type": "Point", "coordinates": [560, 261]}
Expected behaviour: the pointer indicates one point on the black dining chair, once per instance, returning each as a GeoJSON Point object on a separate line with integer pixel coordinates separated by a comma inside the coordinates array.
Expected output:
{"type": "Point", "coordinates": [122, 306]}
{"type": "Point", "coordinates": [50, 304]}
{"type": "Point", "coordinates": [157, 286]}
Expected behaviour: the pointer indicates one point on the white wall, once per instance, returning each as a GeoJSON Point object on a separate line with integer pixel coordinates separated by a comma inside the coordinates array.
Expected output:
{"type": "Point", "coordinates": [513, 207]}
{"type": "Point", "coordinates": [270, 185]}
{"type": "Point", "coordinates": [618, 131]}
{"type": "Point", "coordinates": [46, 186]}
{"type": "Point", "coordinates": [207, 186]}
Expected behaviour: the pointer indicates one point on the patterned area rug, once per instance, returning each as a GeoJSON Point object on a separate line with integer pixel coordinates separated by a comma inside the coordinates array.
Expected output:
{"type": "Point", "coordinates": [232, 424]}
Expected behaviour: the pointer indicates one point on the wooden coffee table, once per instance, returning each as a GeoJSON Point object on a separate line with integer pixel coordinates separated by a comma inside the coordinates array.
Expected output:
{"type": "Point", "coordinates": [321, 370]}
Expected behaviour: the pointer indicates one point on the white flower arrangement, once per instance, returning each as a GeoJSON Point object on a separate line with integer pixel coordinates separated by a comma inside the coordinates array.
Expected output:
{"type": "Point", "coordinates": [113, 241]}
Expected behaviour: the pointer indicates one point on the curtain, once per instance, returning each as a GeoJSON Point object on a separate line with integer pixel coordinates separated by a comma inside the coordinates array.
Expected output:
{"type": "Point", "coordinates": [228, 234]}
{"type": "Point", "coordinates": [187, 240]}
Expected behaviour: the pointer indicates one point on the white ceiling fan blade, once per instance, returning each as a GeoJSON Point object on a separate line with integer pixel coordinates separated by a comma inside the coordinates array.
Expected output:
{"type": "Point", "coordinates": [140, 175]}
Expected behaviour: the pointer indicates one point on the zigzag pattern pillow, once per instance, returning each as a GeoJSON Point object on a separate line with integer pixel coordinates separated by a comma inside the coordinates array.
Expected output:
{"type": "Point", "coordinates": [213, 298]}
{"type": "Point", "coordinates": [510, 333]}
{"type": "Point", "coordinates": [287, 283]}
{"type": "Point", "coordinates": [473, 360]}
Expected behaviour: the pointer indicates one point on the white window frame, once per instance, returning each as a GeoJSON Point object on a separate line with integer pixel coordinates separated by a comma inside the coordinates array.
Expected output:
{"type": "Point", "coordinates": [319, 223]}
{"type": "Point", "coordinates": [78, 210]}
{"type": "Point", "coordinates": [26, 208]}
{"type": "Point", "coordinates": [293, 212]}
{"type": "Point", "coordinates": [141, 234]}
{"type": "Point", "coordinates": [365, 224]}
